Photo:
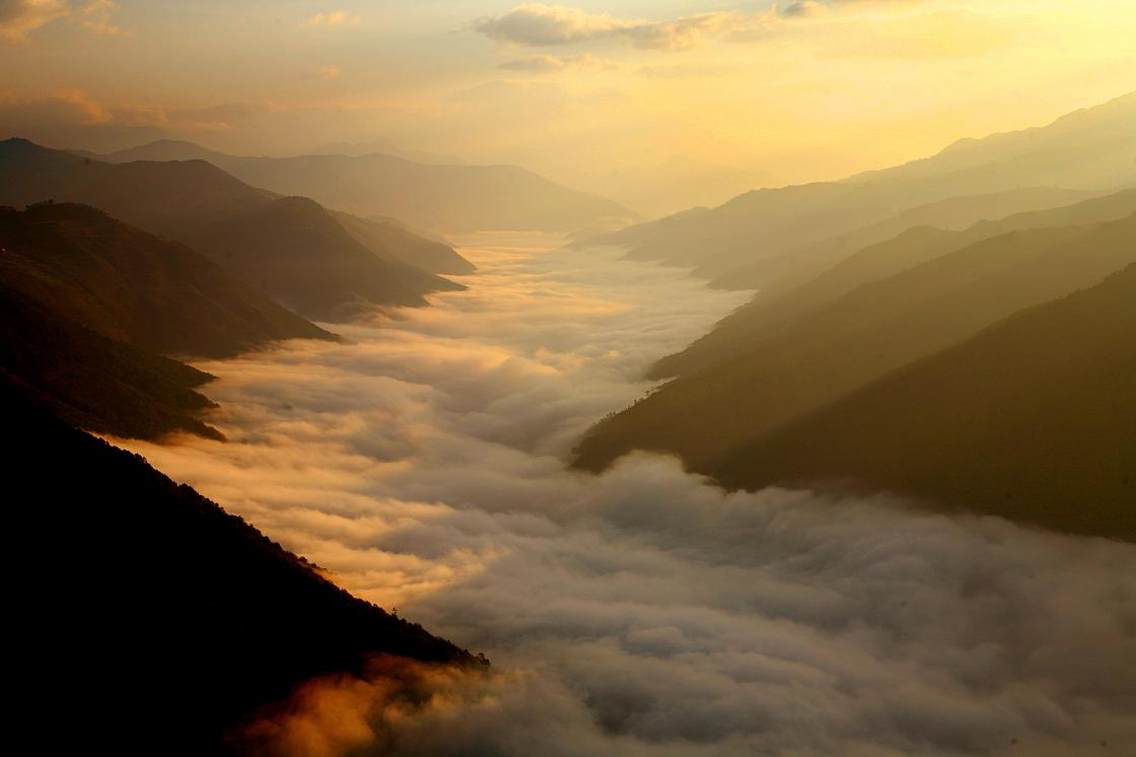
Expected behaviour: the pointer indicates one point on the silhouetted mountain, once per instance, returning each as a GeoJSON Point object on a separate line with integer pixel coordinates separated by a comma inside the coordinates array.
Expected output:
{"type": "Point", "coordinates": [859, 337]}
{"type": "Point", "coordinates": [95, 382]}
{"type": "Point", "coordinates": [148, 618]}
{"type": "Point", "coordinates": [131, 286]}
{"type": "Point", "coordinates": [773, 229]}
{"type": "Point", "coordinates": [199, 204]}
{"type": "Point", "coordinates": [1033, 419]}
{"type": "Point", "coordinates": [769, 312]}
{"type": "Point", "coordinates": [449, 198]}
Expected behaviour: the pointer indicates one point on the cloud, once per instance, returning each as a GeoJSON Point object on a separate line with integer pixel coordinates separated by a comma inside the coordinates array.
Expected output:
{"type": "Point", "coordinates": [538, 64]}
{"type": "Point", "coordinates": [539, 25]}
{"type": "Point", "coordinates": [332, 18]}
{"type": "Point", "coordinates": [19, 17]}
{"type": "Point", "coordinates": [644, 612]}
{"type": "Point", "coordinates": [329, 72]}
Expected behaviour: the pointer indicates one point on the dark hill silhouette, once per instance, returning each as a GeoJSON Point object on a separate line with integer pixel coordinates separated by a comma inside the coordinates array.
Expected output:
{"type": "Point", "coordinates": [197, 203]}
{"type": "Point", "coordinates": [444, 197]}
{"type": "Point", "coordinates": [95, 382]}
{"type": "Point", "coordinates": [770, 312]}
{"type": "Point", "coordinates": [1033, 419]}
{"type": "Point", "coordinates": [859, 337]}
{"type": "Point", "coordinates": [147, 617]}
{"type": "Point", "coordinates": [1094, 149]}
{"type": "Point", "coordinates": [132, 286]}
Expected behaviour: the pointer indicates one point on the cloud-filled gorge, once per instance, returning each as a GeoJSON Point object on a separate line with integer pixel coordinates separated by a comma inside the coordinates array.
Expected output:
{"type": "Point", "coordinates": [643, 612]}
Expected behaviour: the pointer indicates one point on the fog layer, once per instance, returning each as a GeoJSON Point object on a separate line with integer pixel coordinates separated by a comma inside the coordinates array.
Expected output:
{"type": "Point", "coordinates": [644, 611]}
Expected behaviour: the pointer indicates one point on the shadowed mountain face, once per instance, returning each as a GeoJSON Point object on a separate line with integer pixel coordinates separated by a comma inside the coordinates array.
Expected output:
{"type": "Point", "coordinates": [449, 198]}
{"type": "Point", "coordinates": [1033, 419]}
{"type": "Point", "coordinates": [859, 337]}
{"type": "Point", "coordinates": [770, 232]}
{"type": "Point", "coordinates": [321, 266]}
{"type": "Point", "coordinates": [181, 621]}
{"type": "Point", "coordinates": [131, 286]}
{"type": "Point", "coordinates": [771, 310]}
{"type": "Point", "coordinates": [397, 241]}
{"type": "Point", "coordinates": [272, 247]}
{"type": "Point", "coordinates": [95, 382]}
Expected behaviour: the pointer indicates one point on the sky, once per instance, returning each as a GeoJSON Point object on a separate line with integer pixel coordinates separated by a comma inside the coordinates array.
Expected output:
{"type": "Point", "coordinates": [659, 104]}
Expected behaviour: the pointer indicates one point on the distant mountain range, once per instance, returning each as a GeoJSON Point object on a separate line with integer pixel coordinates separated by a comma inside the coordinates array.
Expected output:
{"type": "Point", "coordinates": [296, 251]}
{"type": "Point", "coordinates": [152, 606]}
{"type": "Point", "coordinates": [448, 198]}
{"type": "Point", "coordinates": [762, 236]}
{"type": "Point", "coordinates": [849, 318]}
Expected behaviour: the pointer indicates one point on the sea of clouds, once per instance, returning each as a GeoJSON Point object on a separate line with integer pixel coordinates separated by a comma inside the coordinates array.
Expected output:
{"type": "Point", "coordinates": [644, 611]}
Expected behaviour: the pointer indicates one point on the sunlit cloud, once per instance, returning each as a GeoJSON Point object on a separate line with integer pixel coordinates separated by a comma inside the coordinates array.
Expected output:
{"type": "Point", "coordinates": [332, 18]}
{"type": "Point", "coordinates": [539, 25]}
{"type": "Point", "coordinates": [329, 72]}
{"type": "Point", "coordinates": [550, 63]}
{"type": "Point", "coordinates": [19, 17]}
{"type": "Point", "coordinates": [644, 612]}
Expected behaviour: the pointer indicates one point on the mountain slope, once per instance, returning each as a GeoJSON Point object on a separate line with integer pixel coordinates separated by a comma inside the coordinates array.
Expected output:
{"type": "Point", "coordinates": [387, 237]}
{"type": "Point", "coordinates": [271, 248]}
{"type": "Point", "coordinates": [868, 332]}
{"type": "Point", "coordinates": [1089, 150]}
{"type": "Point", "coordinates": [134, 287]}
{"type": "Point", "coordinates": [166, 621]}
{"type": "Point", "coordinates": [1033, 419]}
{"type": "Point", "coordinates": [95, 382]}
{"type": "Point", "coordinates": [771, 311]}
{"type": "Point", "coordinates": [448, 198]}
{"type": "Point", "coordinates": [199, 204]}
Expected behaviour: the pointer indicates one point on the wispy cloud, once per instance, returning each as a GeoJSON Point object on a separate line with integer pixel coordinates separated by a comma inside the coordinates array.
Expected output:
{"type": "Point", "coordinates": [538, 64]}
{"type": "Point", "coordinates": [540, 25]}
{"type": "Point", "coordinates": [332, 18]}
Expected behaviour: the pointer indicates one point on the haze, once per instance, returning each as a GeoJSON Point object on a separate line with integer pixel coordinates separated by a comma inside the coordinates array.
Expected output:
{"type": "Point", "coordinates": [661, 105]}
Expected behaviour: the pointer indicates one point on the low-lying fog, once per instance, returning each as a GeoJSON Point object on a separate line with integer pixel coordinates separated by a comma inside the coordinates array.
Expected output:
{"type": "Point", "coordinates": [642, 612]}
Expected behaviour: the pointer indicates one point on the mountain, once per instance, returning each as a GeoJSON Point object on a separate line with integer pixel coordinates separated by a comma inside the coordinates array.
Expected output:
{"type": "Point", "coordinates": [770, 311]}
{"type": "Point", "coordinates": [132, 286]}
{"type": "Point", "coordinates": [776, 275]}
{"type": "Point", "coordinates": [454, 198]}
{"type": "Point", "coordinates": [1093, 150]}
{"type": "Point", "coordinates": [862, 335]}
{"type": "Point", "coordinates": [147, 617]}
{"type": "Point", "coordinates": [94, 382]}
{"type": "Point", "coordinates": [1032, 419]}
{"type": "Point", "coordinates": [238, 226]}
{"type": "Point", "coordinates": [394, 239]}
{"type": "Point", "coordinates": [272, 247]}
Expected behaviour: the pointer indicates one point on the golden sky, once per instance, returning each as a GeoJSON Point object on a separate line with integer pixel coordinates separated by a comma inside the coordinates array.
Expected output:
{"type": "Point", "coordinates": [660, 104]}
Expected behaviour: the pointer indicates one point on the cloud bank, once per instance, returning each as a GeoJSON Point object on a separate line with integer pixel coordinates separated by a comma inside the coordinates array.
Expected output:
{"type": "Point", "coordinates": [644, 612]}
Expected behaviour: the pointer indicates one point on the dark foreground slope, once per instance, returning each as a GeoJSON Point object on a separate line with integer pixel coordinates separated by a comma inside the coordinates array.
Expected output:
{"type": "Point", "coordinates": [149, 621]}
{"type": "Point", "coordinates": [444, 197]}
{"type": "Point", "coordinates": [1033, 419]}
{"type": "Point", "coordinates": [95, 382]}
{"type": "Point", "coordinates": [861, 336]}
{"type": "Point", "coordinates": [236, 225]}
{"type": "Point", "coordinates": [131, 286]}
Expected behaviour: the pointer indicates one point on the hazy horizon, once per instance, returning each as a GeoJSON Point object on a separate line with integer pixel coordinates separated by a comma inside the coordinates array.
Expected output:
{"type": "Point", "coordinates": [657, 105]}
